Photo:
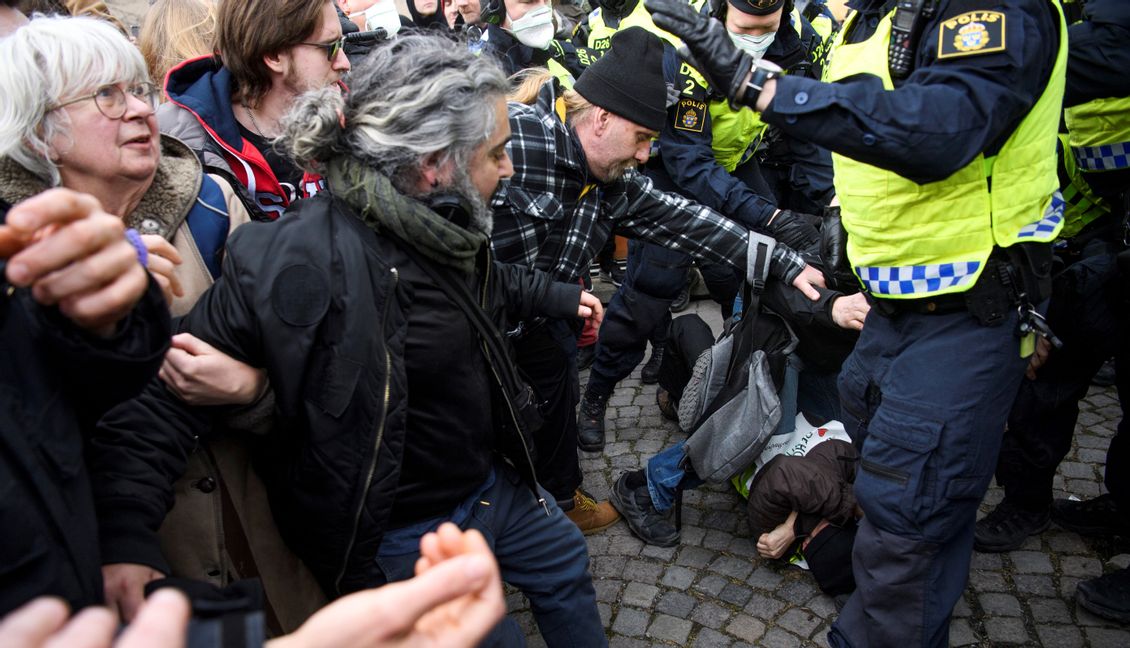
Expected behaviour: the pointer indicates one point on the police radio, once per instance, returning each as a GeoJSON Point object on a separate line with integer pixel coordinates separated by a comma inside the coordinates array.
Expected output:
{"type": "Point", "coordinates": [906, 26]}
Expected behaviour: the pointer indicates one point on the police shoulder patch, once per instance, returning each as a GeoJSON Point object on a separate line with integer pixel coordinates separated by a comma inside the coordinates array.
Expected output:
{"type": "Point", "coordinates": [690, 114]}
{"type": "Point", "coordinates": [974, 32]}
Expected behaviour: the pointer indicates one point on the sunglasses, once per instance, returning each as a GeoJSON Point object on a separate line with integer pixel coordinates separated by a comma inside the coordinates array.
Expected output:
{"type": "Point", "coordinates": [331, 49]}
{"type": "Point", "coordinates": [110, 99]}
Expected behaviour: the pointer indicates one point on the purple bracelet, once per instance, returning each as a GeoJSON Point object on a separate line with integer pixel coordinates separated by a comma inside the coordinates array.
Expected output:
{"type": "Point", "coordinates": [142, 252]}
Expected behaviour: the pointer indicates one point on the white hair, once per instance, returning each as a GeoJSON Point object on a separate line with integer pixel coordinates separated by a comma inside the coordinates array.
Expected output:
{"type": "Point", "coordinates": [49, 60]}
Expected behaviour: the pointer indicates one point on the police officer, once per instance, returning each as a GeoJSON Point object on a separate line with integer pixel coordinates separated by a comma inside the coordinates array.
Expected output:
{"type": "Point", "coordinates": [942, 120]}
{"type": "Point", "coordinates": [521, 35]}
{"type": "Point", "coordinates": [1087, 311]}
{"type": "Point", "coordinates": [707, 150]}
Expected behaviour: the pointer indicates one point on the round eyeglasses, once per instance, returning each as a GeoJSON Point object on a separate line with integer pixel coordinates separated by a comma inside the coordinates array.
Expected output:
{"type": "Point", "coordinates": [110, 99]}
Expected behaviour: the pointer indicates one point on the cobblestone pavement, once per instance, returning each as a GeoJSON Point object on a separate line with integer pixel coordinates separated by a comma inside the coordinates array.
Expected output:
{"type": "Point", "coordinates": [713, 589]}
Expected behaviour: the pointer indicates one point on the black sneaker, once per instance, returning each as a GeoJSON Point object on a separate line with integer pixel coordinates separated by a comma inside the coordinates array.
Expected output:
{"type": "Point", "coordinates": [590, 422]}
{"type": "Point", "coordinates": [1107, 596]}
{"type": "Point", "coordinates": [1097, 516]}
{"type": "Point", "coordinates": [1006, 527]}
{"type": "Point", "coordinates": [649, 375]}
{"type": "Point", "coordinates": [643, 519]}
{"type": "Point", "coordinates": [585, 356]}
{"type": "Point", "coordinates": [682, 300]}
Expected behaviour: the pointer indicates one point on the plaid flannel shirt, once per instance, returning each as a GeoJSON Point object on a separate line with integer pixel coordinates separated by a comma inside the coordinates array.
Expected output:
{"type": "Point", "coordinates": [551, 215]}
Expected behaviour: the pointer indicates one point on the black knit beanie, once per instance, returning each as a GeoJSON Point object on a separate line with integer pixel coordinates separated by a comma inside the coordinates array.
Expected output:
{"type": "Point", "coordinates": [628, 79]}
{"type": "Point", "coordinates": [757, 7]}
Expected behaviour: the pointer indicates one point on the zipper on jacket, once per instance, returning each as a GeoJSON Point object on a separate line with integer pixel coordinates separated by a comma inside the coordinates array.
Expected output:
{"type": "Point", "coordinates": [505, 396]}
{"type": "Point", "coordinates": [885, 472]}
{"type": "Point", "coordinates": [376, 442]}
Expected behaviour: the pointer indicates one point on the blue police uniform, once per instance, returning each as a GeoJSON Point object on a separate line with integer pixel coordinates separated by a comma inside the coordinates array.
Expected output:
{"type": "Point", "coordinates": [1087, 311]}
{"type": "Point", "coordinates": [927, 390]}
{"type": "Point", "coordinates": [689, 164]}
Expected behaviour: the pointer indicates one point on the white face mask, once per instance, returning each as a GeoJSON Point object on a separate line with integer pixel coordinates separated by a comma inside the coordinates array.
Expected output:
{"type": "Point", "coordinates": [382, 15]}
{"type": "Point", "coordinates": [535, 29]}
{"type": "Point", "coordinates": [755, 46]}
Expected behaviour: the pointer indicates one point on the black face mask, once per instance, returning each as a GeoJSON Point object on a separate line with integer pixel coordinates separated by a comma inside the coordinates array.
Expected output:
{"type": "Point", "coordinates": [617, 7]}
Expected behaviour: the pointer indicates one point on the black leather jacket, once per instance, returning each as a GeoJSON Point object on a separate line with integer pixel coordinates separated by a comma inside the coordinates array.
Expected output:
{"type": "Point", "coordinates": [316, 299]}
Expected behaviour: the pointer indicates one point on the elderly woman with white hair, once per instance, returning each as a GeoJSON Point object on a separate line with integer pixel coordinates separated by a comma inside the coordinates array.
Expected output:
{"type": "Point", "coordinates": [77, 111]}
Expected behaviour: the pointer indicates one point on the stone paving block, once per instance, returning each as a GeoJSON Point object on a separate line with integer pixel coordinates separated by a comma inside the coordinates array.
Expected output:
{"type": "Point", "coordinates": [1049, 610]}
{"type": "Point", "coordinates": [670, 628]}
{"type": "Point", "coordinates": [1031, 562]}
{"type": "Point", "coordinates": [692, 535]}
{"type": "Point", "coordinates": [735, 594]}
{"type": "Point", "coordinates": [711, 615]}
{"type": "Point", "coordinates": [961, 634]}
{"type": "Point", "coordinates": [1002, 630]}
{"type": "Point", "coordinates": [631, 622]}
{"type": "Point", "coordinates": [732, 567]}
{"type": "Point", "coordinates": [678, 577]}
{"type": "Point", "coordinates": [639, 595]}
{"type": "Point", "coordinates": [608, 590]}
{"type": "Point", "coordinates": [962, 610]}
{"type": "Point", "coordinates": [1035, 584]}
{"type": "Point", "coordinates": [822, 606]}
{"type": "Point", "coordinates": [708, 638]}
{"type": "Point", "coordinates": [986, 561]}
{"type": "Point", "coordinates": [1060, 636]}
{"type": "Point", "coordinates": [717, 539]}
{"type": "Point", "coordinates": [618, 641]}
{"type": "Point", "coordinates": [1083, 488]}
{"type": "Point", "coordinates": [1081, 566]}
{"type": "Point", "coordinates": [764, 578]}
{"type": "Point", "coordinates": [662, 554]}
{"type": "Point", "coordinates": [607, 566]}
{"type": "Point", "coordinates": [1086, 440]}
{"type": "Point", "coordinates": [605, 611]}
{"type": "Point", "coordinates": [694, 557]}
{"type": "Point", "coordinates": [1106, 637]}
{"type": "Point", "coordinates": [1066, 542]}
{"type": "Point", "coordinates": [778, 638]}
{"type": "Point", "coordinates": [797, 591]}
{"type": "Point", "coordinates": [1000, 605]}
{"type": "Point", "coordinates": [626, 545]}
{"type": "Point", "coordinates": [1076, 470]}
{"type": "Point", "coordinates": [643, 571]}
{"type": "Point", "coordinates": [746, 628]}
{"type": "Point", "coordinates": [763, 607]}
{"type": "Point", "coordinates": [676, 604]}
{"type": "Point", "coordinates": [711, 585]}
{"type": "Point", "coordinates": [1121, 561]}
{"type": "Point", "coordinates": [799, 621]}
{"type": "Point", "coordinates": [986, 581]}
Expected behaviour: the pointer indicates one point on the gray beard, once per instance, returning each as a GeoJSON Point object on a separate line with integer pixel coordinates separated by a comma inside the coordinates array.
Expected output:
{"type": "Point", "coordinates": [482, 218]}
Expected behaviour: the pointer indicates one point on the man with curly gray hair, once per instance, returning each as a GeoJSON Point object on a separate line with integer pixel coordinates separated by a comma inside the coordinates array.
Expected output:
{"type": "Point", "coordinates": [376, 312]}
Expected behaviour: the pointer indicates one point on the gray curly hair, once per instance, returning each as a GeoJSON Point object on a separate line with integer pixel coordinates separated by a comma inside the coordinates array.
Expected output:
{"type": "Point", "coordinates": [418, 95]}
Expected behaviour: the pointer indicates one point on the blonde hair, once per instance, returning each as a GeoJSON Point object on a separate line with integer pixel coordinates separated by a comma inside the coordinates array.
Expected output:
{"type": "Point", "coordinates": [175, 31]}
{"type": "Point", "coordinates": [526, 84]}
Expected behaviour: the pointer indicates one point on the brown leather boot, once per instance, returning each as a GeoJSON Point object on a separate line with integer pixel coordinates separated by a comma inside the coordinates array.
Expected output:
{"type": "Point", "coordinates": [589, 515]}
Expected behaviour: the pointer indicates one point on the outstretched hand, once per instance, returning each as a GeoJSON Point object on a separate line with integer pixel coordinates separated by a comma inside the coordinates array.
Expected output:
{"type": "Point", "coordinates": [710, 49]}
{"type": "Point", "coordinates": [591, 308]}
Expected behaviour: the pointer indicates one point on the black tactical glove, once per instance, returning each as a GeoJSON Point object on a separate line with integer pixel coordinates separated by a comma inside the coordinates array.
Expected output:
{"type": "Point", "coordinates": [794, 229]}
{"type": "Point", "coordinates": [711, 51]}
{"type": "Point", "coordinates": [833, 253]}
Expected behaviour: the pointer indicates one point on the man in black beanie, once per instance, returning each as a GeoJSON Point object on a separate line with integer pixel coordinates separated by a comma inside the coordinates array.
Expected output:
{"type": "Point", "coordinates": [574, 185]}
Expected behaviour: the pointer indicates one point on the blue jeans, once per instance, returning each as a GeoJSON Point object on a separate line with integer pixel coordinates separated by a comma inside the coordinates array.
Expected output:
{"type": "Point", "coordinates": [926, 398]}
{"type": "Point", "coordinates": [543, 555]}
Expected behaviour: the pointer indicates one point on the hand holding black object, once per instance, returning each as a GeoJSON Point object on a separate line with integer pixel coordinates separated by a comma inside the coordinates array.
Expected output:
{"type": "Point", "coordinates": [794, 229]}
{"type": "Point", "coordinates": [711, 51]}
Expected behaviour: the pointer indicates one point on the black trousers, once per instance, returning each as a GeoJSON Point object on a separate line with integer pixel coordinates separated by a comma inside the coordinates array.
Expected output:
{"type": "Point", "coordinates": [1087, 311]}
{"type": "Point", "coordinates": [548, 357]}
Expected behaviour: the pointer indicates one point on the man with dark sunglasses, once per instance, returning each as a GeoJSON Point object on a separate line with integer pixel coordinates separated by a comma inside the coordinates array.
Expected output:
{"type": "Point", "coordinates": [227, 108]}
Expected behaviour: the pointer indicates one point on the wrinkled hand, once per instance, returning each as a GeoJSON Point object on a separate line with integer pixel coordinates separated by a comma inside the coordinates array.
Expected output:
{"type": "Point", "coordinates": [794, 229]}
{"type": "Point", "coordinates": [711, 51]}
{"type": "Point", "coordinates": [42, 623]}
{"type": "Point", "coordinates": [591, 308]}
{"type": "Point", "coordinates": [453, 601]}
{"type": "Point", "coordinates": [75, 256]}
{"type": "Point", "coordinates": [808, 278]}
{"type": "Point", "coordinates": [163, 260]}
{"type": "Point", "coordinates": [1039, 357]}
{"type": "Point", "coordinates": [201, 374]}
{"type": "Point", "coordinates": [124, 587]}
{"type": "Point", "coordinates": [850, 311]}
{"type": "Point", "coordinates": [775, 543]}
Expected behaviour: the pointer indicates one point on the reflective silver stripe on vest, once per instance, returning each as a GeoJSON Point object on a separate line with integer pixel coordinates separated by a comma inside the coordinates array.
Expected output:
{"type": "Point", "coordinates": [1053, 216]}
{"type": "Point", "coordinates": [1107, 157]}
{"type": "Point", "coordinates": [911, 280]}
